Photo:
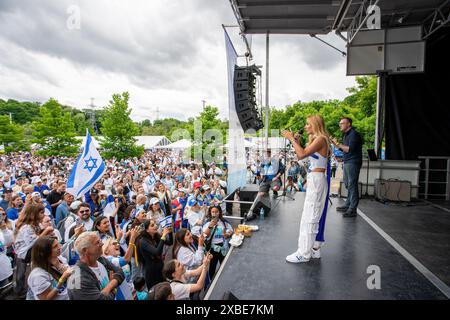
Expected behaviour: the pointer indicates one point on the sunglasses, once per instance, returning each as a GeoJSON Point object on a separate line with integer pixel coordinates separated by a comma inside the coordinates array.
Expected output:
{"type": "Point", "coordinates": [84, 211]}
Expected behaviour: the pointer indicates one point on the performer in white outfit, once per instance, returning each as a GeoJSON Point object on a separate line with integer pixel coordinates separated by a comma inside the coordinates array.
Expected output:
{"type": "Point", "coordinates": [316, 192]}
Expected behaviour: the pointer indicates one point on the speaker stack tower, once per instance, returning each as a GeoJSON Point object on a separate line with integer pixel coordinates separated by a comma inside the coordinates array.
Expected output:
{"type": "Point", "coordinates": [245, 97]}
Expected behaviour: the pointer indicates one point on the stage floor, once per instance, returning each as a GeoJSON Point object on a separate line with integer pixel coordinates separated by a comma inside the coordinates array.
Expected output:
{"type": "Point", "coordinates": [258, 270]}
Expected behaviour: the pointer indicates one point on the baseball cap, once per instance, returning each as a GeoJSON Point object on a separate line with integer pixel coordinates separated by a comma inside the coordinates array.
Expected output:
{"type": "Point", "coordinates": [154, 201]}
{"type": "Point", "coordinates": [197, 185]}
{"type": "Point", "coordinates": [192, 202]}
{"type": "Point", "coordinates": [94, 191]}
{"type": "Point", "coordinates": [38, 180]}
{"type": "Point", "coordinates": [75, 204]}
{"type": "Point", "coordinates": [183, 190]}
{"type": "Point", "coordinates": [8, 190]}
{"type": "Point", "coordinates": [36, 194]}
{"type": "Point", "coordinates": [206, 187]}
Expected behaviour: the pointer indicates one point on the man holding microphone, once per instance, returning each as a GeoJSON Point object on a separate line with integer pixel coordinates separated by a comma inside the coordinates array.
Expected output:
{"type": "Point", "coordinates": [352, 148]}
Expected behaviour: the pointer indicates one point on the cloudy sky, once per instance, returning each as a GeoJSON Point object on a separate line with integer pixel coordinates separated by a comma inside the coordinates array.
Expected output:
{"type": "Point", "coordinates": [168, 55]}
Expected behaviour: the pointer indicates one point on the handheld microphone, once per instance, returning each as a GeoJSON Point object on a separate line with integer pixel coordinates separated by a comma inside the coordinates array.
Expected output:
{"type": "Point", "coordinates": [298, 134]}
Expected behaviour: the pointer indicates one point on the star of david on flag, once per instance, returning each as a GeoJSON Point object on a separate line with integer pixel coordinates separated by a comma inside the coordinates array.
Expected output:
{"type": "Point", "coordinates": [88, 169]}
{"type": "Point", "coordinates": [93, 164]}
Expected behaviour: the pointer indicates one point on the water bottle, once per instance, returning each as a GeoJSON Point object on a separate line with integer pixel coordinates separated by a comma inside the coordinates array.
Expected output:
{"type": "Point", "coordinates": [261, 214]}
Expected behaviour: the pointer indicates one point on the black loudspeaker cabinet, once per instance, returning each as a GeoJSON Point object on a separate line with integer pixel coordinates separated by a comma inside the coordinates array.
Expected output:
{"type": "Point", "coordinates": [248, 194]}
{"type": "Point", "coordinates": [244, 96]}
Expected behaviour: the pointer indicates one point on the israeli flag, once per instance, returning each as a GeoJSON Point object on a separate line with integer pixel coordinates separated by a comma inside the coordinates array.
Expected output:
{"type": "Point", "coordinates": [110, 206]}
{"type": "Point", "coordinates": [166, 222]}
{"type": "Point", "coordinates": [88, 169]}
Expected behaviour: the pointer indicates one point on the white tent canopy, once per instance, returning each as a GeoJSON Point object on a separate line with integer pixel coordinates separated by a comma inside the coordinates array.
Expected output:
{"type": "Point", "coordinates": [149, 142]}
{"type": "Point", "coordinates": [179, 145]}
{"type": "Point", "coordinates": [247, 144]}
{"type": "Point", "coordinates": [274, 142]}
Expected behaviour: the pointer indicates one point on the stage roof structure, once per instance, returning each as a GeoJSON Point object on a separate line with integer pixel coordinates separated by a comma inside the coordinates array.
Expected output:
{"type": "Point", "coordinates": [323, 16]}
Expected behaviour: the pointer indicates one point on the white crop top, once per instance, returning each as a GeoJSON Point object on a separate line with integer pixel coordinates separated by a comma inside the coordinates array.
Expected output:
{"type": "Point", "coordinates": [316, 160]}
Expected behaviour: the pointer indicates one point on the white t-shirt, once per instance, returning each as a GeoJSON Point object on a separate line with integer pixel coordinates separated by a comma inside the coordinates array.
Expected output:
{"type": "Point", "coordinates": [25, 239]}
{"type": "Point", "coordinates": [40, 280]}
{"type": "Point", "coordinates": [108, 184]}
{"type": "Point", "coordinates": [194, 217]}
{"type": "Point", "coordinates": [190, 259]}
{"type": "Point", "coordinates": [102, 274]}
{"type": "Point", "coordinates": [181, 291]}
{"type": "Point", "coordinates": [218, 234]}
{"type": "Point", "coordinates": [157, 216]}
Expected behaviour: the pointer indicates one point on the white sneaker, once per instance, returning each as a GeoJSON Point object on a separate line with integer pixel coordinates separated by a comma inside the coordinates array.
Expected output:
{"type": "Point", "coordinates": [295, 258]}
{"type": "Point", "coordinates": [315, 253]}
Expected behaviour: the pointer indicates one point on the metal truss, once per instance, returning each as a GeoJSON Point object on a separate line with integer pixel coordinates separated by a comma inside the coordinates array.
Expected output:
{"type": "Point", "coordinates": [359, 19]}
{"type": "Point", "coordinates": [240, 21]}
{"type": "Point", "coordinates": [439, 18]}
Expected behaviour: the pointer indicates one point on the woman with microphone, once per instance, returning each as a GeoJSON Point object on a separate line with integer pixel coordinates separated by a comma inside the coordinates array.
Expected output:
{"type": "Point", "coordinates": [318, 152]}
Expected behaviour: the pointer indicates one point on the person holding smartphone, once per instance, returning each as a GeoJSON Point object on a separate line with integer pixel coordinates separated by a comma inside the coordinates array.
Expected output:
{"type": "Point", "coordinates": [217, 231]}
{"type": "Point", "coordinates": [150, 246]}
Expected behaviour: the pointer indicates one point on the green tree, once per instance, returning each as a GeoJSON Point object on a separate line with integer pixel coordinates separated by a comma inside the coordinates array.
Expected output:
{"type": "Point", "coordinates": [146, 123]}
{"type": "Point", "coordinates": [12, 136]}
{"type": "Point", "coordinates": [21, 112]}
{"type": "Point", "coordinates": [364, 95]}
{"type": "Point", "coordinates": [119, 130]}
{"type": "Point", "coordinates": [209, 119]}
{"type": "Point", "coordinates": [81, 124]}
{"type": "Point", "coordinates": [54, 131]}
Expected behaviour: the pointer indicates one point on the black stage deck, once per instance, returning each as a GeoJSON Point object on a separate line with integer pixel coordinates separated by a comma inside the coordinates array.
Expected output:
{"type": "Point", "coordinates": [258, 270]}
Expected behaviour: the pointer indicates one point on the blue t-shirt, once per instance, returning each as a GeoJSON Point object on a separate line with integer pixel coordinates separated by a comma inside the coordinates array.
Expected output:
{"type": "Point", "coordinates": [353, 140]}
{"type": "Point", "coordinates": [12, 213]}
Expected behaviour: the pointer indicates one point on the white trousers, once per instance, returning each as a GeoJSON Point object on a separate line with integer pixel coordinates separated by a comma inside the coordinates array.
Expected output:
{"type": "Point", "coordinates": [316, 194]}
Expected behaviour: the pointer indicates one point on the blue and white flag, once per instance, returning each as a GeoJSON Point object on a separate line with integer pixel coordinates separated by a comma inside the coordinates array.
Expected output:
{"type": "Point", "coordinates": [88, 169]}
{"type": "Point", "coordinates": [237, 169]}
{"type": "Point", "coordinates": [110, 206]}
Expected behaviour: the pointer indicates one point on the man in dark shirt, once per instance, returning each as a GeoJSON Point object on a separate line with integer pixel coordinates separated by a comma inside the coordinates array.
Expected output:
{"type": "Point", "coordinates": [352, 148]}
{"type": "Point", "coordinates": [55, 198]}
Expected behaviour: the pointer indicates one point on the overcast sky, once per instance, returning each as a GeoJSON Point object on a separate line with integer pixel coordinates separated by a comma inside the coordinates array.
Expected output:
{"type": "Point", "coordinates": [168, 54]}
